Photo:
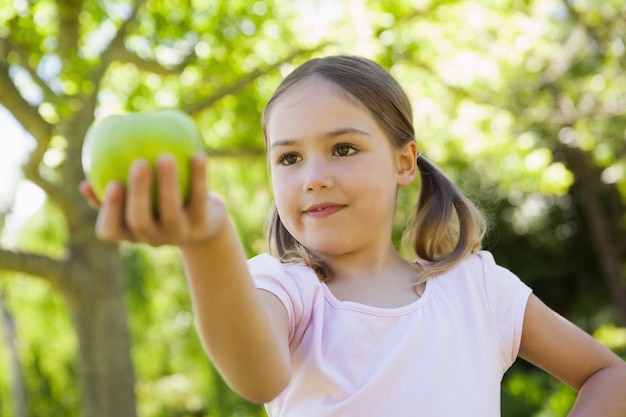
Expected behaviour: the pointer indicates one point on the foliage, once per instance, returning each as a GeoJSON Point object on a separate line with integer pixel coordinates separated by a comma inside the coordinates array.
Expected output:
{"type": "Point", "coordinates": [64, 64]}
{"type": "Point", "coordinates": [519, 111]}
{"type": "Point", "coordinates": [519, 101]}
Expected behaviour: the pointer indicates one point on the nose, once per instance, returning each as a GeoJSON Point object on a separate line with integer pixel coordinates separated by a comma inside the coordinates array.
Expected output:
{"type": "Point", "coordinates": [317, 175]}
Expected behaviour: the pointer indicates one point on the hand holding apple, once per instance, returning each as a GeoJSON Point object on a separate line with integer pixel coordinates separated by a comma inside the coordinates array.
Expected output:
{"type": "Point", "coordinates": [143, 201]}
{"type": "Point", "coordinates": [113, 143]}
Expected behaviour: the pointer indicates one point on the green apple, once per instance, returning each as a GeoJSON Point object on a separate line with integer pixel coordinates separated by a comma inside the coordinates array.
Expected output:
{"type": "Point", "coordinates": [114, 142]}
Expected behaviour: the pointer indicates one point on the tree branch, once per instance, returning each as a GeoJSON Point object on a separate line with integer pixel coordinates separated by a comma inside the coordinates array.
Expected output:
{"type": "Point", "coordinates": [591, 30]}
{"type": "Point", "coordinates": [69, 11]}
{"type": "Point", "coordinates": [31, 172]}
{"type": "Point", "coordinates": [566, 57]}
{"type": "Point", "coordinates": [568, 115]}
{"type": "Point", "coordinates": [416, 13]}
{"type": "Point", "coordinates": [250, 78]}
{"type": "Point", "coordinates": [32, 264]}
{"type": "Point", "coordinates": [27, 115]}
{"type": "Point", "coordinates": [7, 46]}
{"type": "Point", "coordinates": [115, 47]}
{"type": "Point", "coordinates": [124, 55]}
{"type": "Point", "coordinates": [236, 153]}
{"type": "Point", "coordinates": [565, 115]}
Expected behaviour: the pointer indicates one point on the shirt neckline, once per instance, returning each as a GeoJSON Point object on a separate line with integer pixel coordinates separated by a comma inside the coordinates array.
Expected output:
{"type": "Point", "coordinates": [379, 311]}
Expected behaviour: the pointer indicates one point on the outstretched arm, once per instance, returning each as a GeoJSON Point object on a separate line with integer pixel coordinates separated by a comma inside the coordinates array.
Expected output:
{"type": "Point", "coordinates": [244, 330]}
{"type": "Point", "coordinates": [554, 344]}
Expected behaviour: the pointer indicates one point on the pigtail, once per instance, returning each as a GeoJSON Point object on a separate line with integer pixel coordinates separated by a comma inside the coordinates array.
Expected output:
{"type": "Point", "coordinates": [447, 226]}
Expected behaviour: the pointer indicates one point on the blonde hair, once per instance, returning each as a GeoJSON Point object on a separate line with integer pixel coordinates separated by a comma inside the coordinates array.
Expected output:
{"type": "Point", "coordinates": [446, 226]}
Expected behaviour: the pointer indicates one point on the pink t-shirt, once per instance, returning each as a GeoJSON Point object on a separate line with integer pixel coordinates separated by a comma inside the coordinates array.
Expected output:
{"type": "Point", "coordinates": [443, 355]}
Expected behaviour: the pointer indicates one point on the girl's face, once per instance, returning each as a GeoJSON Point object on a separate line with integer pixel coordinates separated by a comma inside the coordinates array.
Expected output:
{"type": "Point", "coordinates": [334, 171]}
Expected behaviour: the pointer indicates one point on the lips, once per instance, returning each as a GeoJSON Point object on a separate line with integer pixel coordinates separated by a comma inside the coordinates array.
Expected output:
{"type": "Point", "coordinates": [323, 209]}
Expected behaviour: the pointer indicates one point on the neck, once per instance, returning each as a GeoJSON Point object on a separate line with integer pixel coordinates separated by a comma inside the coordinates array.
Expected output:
{"type": "Point", "coordinates": [386, 280]}
{"type": "Point", "coordinates": [356, 266]}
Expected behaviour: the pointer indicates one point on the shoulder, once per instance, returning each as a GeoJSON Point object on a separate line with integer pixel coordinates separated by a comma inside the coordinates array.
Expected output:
{"type": "Point", "coordinates": [479, 274]}
{"type": "Point", "coordinates": [265, 265]}
{"type": "Point", "coordinates": [505, 296]}
{"type": "Point", "coordinates": [479, 278]}
{"type": "Point", "coordinates": [473, 269]}
{"type": "Point", "coordinates": [293, 283]}
{"type": "Point", "coordinates": [480, 267]}
{"type": "Point", "coordinates": [481, 261]}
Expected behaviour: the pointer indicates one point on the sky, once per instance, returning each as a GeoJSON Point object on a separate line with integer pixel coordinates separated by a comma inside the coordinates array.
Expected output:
{"type": "Point", "coordinates": [17, 195]}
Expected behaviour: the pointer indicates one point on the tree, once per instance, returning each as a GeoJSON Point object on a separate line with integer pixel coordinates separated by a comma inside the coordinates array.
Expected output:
{"type": "Point", "coordinates": [532, 94]}
{"type": "Point", "coordinates": [59, 61]}
{"type": "Point", "coordinates": [521, 102]}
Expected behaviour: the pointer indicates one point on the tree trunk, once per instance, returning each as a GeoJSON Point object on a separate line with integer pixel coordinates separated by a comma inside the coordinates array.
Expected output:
{"type": "Point", "coordinates": [600, 230]}
{"type": "Point", "coordinates": [99, 314]}
{"type": "Point", "coordinates": [16, 376]}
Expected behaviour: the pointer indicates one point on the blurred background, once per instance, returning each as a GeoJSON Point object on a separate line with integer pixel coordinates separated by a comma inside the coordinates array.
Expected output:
{"type": "Point", "coordinates": [522, 103]}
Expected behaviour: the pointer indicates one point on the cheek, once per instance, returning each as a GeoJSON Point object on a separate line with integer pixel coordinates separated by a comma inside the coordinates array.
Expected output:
{"type": "Point", "coordinates": [285, 203]}
{"type": "Point", "coordinates": [281, 187]}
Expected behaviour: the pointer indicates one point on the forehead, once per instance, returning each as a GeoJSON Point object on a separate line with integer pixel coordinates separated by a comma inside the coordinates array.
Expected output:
{"type": "Point", "coordinates": [314, 106]}
{"type": "Point", "coordinates": [307, 86]}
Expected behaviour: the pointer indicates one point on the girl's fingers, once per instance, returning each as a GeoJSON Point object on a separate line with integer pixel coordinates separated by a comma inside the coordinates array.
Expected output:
{"type": "Point", "coordinates": [129, 214]}
{"type": "Point", "coordinates": [198, 188]}
{"type": "Point", "coordinates": [169, 198]}
{"type": "Point", "coordinates": [110, 225]}
{"type": "Point", "coordinates": [138, 205]}
{"type": "Point", "coordinates": [86, 190]}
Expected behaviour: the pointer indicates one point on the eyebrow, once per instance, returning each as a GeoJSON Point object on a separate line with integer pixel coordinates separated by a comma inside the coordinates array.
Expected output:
{"type": "Point", "coordinates": [329, 135]}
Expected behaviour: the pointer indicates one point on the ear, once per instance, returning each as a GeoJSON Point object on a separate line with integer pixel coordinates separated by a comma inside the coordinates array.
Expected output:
{"type": "Point", "coordinates": [407, 163]}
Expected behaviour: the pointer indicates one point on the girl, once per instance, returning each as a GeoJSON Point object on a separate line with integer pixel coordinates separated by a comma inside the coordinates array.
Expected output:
{"type": "Point", "coordinates": [335, 322]}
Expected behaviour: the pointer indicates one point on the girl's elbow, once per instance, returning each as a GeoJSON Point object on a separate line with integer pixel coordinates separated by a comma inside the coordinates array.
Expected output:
{"type": "Point", "coordinates": [612, 375]}
{"type": "Point", "coordinates": [265, 391]}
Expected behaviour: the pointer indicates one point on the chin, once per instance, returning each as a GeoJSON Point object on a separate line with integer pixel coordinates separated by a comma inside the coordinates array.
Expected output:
{"type": "Point", "coordinates": [325, 250]}
{"type": "Point", "coordinates": [328, 245]}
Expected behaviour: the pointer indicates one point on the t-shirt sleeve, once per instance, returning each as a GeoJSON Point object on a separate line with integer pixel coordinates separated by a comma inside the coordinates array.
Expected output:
{"type": "Point", "coordinates": [507, 296]}
{"type": "Point", "coordinates": [269, 274]}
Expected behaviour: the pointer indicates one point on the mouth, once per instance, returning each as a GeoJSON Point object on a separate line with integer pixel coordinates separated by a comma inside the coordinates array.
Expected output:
{"type": "Point", "coordinates": [323, 209]}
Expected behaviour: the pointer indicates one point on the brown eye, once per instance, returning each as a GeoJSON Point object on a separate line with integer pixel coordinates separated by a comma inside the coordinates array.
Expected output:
{"type": "Point", "coordinates": [344, 150]}
{"type": "Point", "coordinates": [289, 159]}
